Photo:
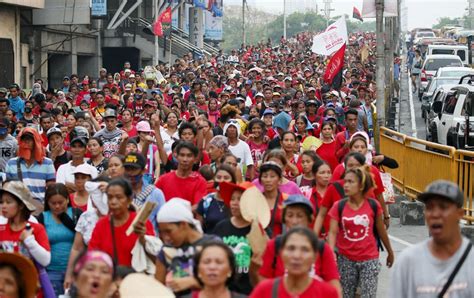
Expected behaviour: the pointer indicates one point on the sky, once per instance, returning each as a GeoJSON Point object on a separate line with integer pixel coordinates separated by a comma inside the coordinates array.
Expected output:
{"type": "Point", "coordinates": [421, 13]}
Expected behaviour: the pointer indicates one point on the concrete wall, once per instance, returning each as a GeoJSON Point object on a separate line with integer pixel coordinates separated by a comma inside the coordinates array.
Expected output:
{"type": "Point", "coordinates": [68, 50]}
{"type": "Point", "coordinates": [10, 29]}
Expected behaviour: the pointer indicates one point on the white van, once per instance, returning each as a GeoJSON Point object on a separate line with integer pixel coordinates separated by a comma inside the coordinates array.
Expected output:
{"type": "Point", "coordinates": [458, 50]}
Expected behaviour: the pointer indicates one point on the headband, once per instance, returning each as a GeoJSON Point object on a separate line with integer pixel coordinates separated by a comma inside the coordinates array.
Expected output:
{"type": "Point", "coordinates": [93, 255]}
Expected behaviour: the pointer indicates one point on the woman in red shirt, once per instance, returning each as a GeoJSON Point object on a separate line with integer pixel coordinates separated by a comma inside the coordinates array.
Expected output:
{"type": "Point", "coordinates": [299, 251]}
{"type": "Point", "coordinates": [355, 224]}
{"type": "Point", "coordinates": [18, 234]}
{"type": "Point", "coordinates": [297, 212]}
{"type": "Point", "coordinates": [270, 177]}
{"type": "Point", "coordinates": [327, 151]}
{"type": "Point", "coordinates": [116, 243]}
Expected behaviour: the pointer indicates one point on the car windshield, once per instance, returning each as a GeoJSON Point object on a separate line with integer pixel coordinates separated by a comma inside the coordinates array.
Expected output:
{"type": "Point", "coordinates": [455, 73]}
{"type": "Point", "coordinates": [435, 64]}
{"type": "Point", "coordinates": [425, 34]}
{"type": "Point", "coordinates": [439, 82]}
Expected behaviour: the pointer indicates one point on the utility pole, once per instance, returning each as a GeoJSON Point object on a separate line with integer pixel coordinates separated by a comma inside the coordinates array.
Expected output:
{"type": "Point", "coordinates": [156, 47]}
{"type": "Point", "coordinates": [243, 22]}
{"type": "Point", "coordinates": [327, 11]}
{"type": "Point", "coordinates": [380, 71]}
{"type": "Point", "coordinates": [284, 19]}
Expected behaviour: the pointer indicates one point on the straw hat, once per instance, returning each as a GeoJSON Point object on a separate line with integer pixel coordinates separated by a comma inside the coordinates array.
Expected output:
{"type": "Point", "coordinates": [311, 143]}
{"type": "Point", "coordinates": [253, 205]}
{"type": "Point", "coordinates": [142, 285]}
{"type": "Point", "coordinates": [27, 270]}
{"type": "Point", "coordinates": [257, 238]}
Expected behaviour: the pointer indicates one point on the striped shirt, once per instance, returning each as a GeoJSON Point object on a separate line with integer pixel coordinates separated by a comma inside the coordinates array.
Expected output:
{"type": "Point", "coordinates": [35, 176]}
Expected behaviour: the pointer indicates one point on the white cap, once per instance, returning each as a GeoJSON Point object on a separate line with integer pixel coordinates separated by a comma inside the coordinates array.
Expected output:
{"type": "Point", "coordinates": [86, 169]}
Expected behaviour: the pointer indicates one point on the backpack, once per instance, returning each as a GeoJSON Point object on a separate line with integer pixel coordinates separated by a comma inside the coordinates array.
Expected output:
{"type": "Point", "coordinates": [339, 188]}
{"type": "Point", "coordinates": [278, 240]}
{"type": "Point", "coordinates": [373, 206]}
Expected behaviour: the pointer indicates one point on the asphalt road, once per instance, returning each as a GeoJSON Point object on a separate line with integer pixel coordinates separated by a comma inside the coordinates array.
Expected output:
{"type": "Point", "coordinates": [412, 124]}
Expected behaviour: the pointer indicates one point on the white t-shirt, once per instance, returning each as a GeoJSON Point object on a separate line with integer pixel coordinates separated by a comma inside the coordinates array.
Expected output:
{"type": "Point", "coordinates": [417, 273]}
{"type": "Point", "coordinates": [168, 140]}
{"type": "Point", "coordinates": [65, 172]}
{"type": "Point", "coordinates": [242, 151]}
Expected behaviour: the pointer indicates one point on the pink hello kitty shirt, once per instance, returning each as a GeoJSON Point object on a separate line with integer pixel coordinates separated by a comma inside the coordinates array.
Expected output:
{"type": "Point", "coordinates": [355, 239]}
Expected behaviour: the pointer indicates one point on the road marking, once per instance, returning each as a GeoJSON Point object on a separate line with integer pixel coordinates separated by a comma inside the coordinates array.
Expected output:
{"type": "Point", "coordinates": [412, 108]}
{"type": "Point", "coordinates": [401, 241]}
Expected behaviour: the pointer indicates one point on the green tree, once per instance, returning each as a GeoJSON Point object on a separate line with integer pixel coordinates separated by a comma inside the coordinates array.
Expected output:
{"type": "Point", "coordinates": [446, 21]}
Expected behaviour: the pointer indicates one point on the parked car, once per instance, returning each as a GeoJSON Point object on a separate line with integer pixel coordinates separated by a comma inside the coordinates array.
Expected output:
{"type": "Point", "coordinates": [433, 85]}
{"type": "Point", "coordinates": [430, 66]}
{"type": "Point", "coordinates": [443, 49]}
{"type": "Point", "coordinates": [454, 72]}
{"type": "Point", "coordinates": [454, 123]}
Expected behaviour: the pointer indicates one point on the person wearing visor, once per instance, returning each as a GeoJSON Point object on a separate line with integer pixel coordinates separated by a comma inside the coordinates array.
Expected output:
{"type": "Point", "coordinates": [430, 265]}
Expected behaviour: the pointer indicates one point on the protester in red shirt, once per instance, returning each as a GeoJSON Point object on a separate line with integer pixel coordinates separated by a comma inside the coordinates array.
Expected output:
{"type": "Point", "coordinates": [327, 150]}
{"type": "Point", "coordinates": [298, 212]}
{"type": "Point", "coordinates": [355, 224]}
{"type": "Point", "coordinates": [343, 138]}
{"type": "Point", "coordinates": [19, 234]}
{"type": "Point", "coordinates": [270, 177]}
{"type": "Point", "coordinates": [184, 182]}
{"type": "Point", "coordinates": [298, 246]}
{"type": "Point", "coordinates": [117, 244]}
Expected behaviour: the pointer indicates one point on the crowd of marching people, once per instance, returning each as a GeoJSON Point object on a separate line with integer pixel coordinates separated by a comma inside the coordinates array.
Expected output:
{"type": "Point", "coordinates": [236, 176]}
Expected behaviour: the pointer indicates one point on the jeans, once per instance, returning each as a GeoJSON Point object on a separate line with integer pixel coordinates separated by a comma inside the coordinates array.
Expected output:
{"type": "Point", "coordinates": [57, 280]}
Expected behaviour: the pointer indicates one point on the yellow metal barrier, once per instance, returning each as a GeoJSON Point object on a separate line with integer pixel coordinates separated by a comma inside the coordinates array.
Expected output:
{"type": "Point", "coordinates": [423, 166]}
{"type": "Point", "coordinates": [392, 144]}
{"type": "Point", "coordinates": [421, 162]}
{"type": "Point", "coordinates": [464, 161]}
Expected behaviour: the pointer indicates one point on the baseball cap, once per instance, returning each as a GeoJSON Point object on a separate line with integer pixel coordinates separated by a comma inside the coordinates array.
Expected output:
{"type": "Point", "coordinates": [66, 78]}
{"type": "Point", "coordinates": [276, 94]}
{"type": "Point", "coordinates": [93, 90]}
{"type": "Point", "coordinates": [288, 79]}
{"type": "Point", "coordinates": [445, 189]}
{"type": "Point", "coordinates": [54, 130]}
{"type": "Point", "coordinates": [86, 169]}
{"type": "Point", "coordinates": [268, 112]}
{"type": "Point", "coordinates": [135, 160]}
{"type": "Point", "coordinates": [297, 200]}
{"type": "Point", "coordinates": [144, 126]}
{"type": "Point", "coordinates": [259, 94]}
{"type": "Point", "coordinates": [3, 90]}
{"type": "Point", "coordinates": [128, 87]}
{"type": "Point", "coordinates": [311, 89]}
{"type": "Point", "coordinates": [109, 113]}
{"type": "Point", "coordinates": [151, 103]}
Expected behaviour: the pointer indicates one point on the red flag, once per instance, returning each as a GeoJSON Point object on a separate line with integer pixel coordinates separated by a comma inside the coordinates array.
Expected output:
{"type": "Point", "coordinates": [335, 65]}
{"type": "Point", "coordinates": [165, 20]}
{"type": "Point", "coordinates": [157, 29]}
{"type": "Point", "coordinates": [163, 24]}
{"type": "Point", "coordinates": [356, 14]}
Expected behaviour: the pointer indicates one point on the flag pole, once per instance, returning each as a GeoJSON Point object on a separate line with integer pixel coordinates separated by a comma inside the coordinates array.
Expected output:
{"type": "Point", "coordinates": [170, 55]}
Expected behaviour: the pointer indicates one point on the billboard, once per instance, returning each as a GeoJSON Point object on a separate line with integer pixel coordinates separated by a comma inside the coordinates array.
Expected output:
{"type": "Point", "coordinates": [213, 27]}
{"type": "Point", "coordinates": [98, 8]}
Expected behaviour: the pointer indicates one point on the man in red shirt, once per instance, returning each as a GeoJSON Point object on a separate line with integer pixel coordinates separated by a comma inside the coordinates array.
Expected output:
{"type": "Point", "coordinates": [184, 183]}
{"type": "Point", "coordinates": [343, 138]}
